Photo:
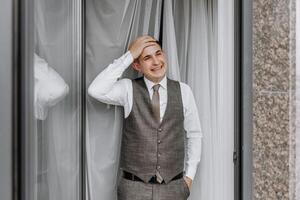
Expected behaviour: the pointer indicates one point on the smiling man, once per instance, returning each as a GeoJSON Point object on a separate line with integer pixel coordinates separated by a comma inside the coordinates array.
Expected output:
{"type": "Point", "coordinates": [160, 115]}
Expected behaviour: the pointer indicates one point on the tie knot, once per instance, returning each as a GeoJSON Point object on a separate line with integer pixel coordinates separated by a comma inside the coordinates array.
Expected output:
{"type": "Point", "coordinates": [156, 87]}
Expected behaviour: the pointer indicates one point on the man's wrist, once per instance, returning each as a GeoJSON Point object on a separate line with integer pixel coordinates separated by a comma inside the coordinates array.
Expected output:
{"type": "Point", "coordinates": [190, 171]}
{"type": "Point", "coordinates": [134, 56]}
{"type": "Point", "coordinates": [127, 58]}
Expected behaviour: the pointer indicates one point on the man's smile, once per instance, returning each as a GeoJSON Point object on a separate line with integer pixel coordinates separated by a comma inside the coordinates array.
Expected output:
{"type": "Point", "coordinates": [157, 68]}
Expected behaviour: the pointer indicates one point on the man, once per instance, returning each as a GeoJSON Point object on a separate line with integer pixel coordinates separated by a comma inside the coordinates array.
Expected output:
{"type": "Point", "coordinates": [159, 115]}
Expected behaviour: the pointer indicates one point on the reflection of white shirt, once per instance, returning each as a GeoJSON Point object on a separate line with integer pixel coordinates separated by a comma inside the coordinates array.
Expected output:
{"type": "Point", "coordinates": [108, 89]}
{"type": "Point", "coordinates": [49, 87]}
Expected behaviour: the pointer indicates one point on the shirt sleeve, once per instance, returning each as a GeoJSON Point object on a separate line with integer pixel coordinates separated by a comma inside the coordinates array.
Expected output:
{"type": "Point", "coordinates": [49, 87]}
{"type": "Point", "coordinates": [193, 131]}
{"type": "Point", "coordinates": [107, 87]}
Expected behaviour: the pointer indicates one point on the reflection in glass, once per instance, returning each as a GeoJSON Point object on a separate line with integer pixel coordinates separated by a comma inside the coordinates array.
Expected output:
{"type": "Point", "coordinates": [56, 162]}
{"type": "Point", "coordinates": [49, 87]}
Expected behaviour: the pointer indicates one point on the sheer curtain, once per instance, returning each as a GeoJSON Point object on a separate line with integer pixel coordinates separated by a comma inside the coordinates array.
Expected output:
{"type": "Point", "coordinates": [57, 105]}
{"type": "Point", "coordinates": [204, 37]}
{"type": "Point", "coordinates": [198, 39]}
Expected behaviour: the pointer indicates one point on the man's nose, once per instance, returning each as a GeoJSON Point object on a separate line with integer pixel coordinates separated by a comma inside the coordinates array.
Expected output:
{"type": "Point", "coordinates": [155, 60]}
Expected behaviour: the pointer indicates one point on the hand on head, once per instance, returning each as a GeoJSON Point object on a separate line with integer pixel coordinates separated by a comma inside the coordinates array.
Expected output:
{"type": "Point", "coordinates": [149, 59]}
{"type": "Point", "coordinates": [137, 46]}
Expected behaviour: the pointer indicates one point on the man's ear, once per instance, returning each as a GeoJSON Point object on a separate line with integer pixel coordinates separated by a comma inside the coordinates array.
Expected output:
{"type": "Point", "coordinates": [136, 65]}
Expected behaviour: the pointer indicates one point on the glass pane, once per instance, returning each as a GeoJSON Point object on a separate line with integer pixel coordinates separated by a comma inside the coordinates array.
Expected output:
{"type": "Point", "coordinates": [56, 163]}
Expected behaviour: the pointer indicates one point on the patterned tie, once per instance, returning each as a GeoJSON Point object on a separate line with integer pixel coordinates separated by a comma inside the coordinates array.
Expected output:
{"type": "Point", "coordinates": [155, 102]}
{"type": "Point", "coordinates": [156, 110]}
{"type": "Point", "coordinates": [158, 177]}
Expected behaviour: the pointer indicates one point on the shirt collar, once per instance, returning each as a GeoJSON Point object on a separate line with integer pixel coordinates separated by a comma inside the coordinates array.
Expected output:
{"type": "Point", "coordinates": [150, 84]}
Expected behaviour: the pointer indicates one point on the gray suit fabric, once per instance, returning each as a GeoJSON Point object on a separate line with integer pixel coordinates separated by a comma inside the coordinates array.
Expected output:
{"type": "Point", "coordinates": [148, 145]}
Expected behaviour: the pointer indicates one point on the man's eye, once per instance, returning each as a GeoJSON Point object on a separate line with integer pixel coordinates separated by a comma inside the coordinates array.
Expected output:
{"type": "Point", "coordinates": [146, 58]}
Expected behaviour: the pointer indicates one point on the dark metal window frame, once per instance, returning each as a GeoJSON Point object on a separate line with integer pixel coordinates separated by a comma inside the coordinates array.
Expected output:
{"type": "Point", "coordinates": [22, 92]}
{"type": "Point", "coordinates": [237, 154]}
{"type": "Point", "coordinates": [83, 102]}
{"type": "Point", "coordinates": [242, 155]}
{"type": "Point", "coordinates": [23, 86]}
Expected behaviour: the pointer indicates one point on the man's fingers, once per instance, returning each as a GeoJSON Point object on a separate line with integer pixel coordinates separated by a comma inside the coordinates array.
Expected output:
{"type": "Point", "coordinates": [148, 38]}
{"type": "Point", "coordinates": [148, 44]}
{"type": "Point", "coordinates": [139, 44]}
{"type": "Point", "coordinates": [144, 39]}
{"type": "Point", "coordinates": [140, 39]}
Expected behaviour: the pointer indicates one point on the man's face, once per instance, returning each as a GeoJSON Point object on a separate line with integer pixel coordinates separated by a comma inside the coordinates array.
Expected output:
{"type": "Point", "coordinates": [152, 63]}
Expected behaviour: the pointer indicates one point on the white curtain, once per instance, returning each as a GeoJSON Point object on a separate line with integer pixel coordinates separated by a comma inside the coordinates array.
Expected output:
{"type": "Point", "coordinates": [198, 39]}
{"type": "Point", "coordinates": [57, 34]}
{"type": "Point", "coordinates": [204, 37]}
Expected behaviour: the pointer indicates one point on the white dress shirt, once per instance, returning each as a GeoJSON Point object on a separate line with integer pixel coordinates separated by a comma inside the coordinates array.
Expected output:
{"type": "Point", "coordinates": [108, 89]}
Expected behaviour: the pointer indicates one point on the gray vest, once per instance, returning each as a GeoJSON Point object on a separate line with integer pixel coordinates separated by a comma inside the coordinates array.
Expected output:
{"type": "Point", "coordinates": [148, 146]}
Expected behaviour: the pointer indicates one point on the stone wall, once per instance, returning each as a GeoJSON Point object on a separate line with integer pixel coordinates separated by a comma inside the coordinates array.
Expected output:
{"type": "Point", "coordinates": [273, 99]}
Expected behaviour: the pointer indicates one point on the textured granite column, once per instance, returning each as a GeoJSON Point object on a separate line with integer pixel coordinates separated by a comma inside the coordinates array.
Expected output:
{"type": "Point", "coordinates": [274, 99]}
{"type": "Point", "coordinates": [297, 163]}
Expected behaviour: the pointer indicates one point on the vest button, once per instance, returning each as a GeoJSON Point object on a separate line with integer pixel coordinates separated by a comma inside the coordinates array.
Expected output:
{"type": "Point", "coordinates": [158, 154]}
{"type": "Point", "coordinates": [160, 129]}
{"type": "Point", "coordinates": [158, 167]}
{"type": "Point", "coordinates": [158, 141]}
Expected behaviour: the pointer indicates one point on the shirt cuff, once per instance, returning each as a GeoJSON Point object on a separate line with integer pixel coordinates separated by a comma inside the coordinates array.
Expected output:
{"type": "Point", "coordinates": [191, 172]}
{"type": "Point", "coordinates": [127, 59]}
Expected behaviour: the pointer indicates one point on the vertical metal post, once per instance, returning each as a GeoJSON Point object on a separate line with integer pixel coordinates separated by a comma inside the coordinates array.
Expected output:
{"type": "Point", "coordinates": [83, 102]}
{"type": "Point", "coordinates": [237, 155]}
{"type": "Point", "coordinates": [243, 100]}
{"type": "Point", "coordinates": [246, 99]}
{"type": "Point", "coordinates": [22, 94]}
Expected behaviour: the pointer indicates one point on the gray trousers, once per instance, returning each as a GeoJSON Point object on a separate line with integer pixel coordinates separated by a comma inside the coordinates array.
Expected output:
{"type": "Point", "coordinates": [136, 190]}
